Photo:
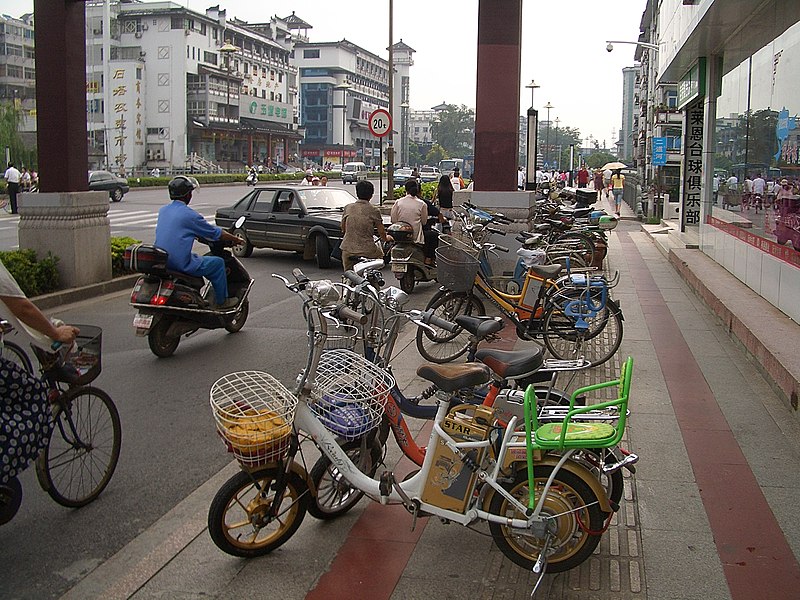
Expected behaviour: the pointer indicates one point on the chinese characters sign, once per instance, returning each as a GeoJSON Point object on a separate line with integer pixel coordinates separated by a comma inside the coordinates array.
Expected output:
{"type": "Point", "coordinates": [692, 164]}
{"type": "Point", "coordinates": [268, 110]}
{"type": "Point", "coordinates": [659, 151]}
{"type": "Point", "coordinates": [126, 121]}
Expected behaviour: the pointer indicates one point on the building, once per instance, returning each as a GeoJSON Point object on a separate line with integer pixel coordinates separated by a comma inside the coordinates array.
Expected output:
{"type": "Point", "coordinates": [630, 81]}
{"type": "Point", "coordinates": [18, 69]}
{"type": "Point", "coordinates": [736, 66]}
{"type": "Point", "coordinates": [341, 84]}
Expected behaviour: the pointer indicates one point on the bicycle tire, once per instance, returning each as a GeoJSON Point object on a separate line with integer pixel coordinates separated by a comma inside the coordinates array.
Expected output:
{"type": "Point", "coordinates": [241, 498]}
{"type": "Point", "coordinates": [74, 472]}
{"type": "Point", "coordinates": [597, 344]}
{"type": "Point", "coordinates": [5, 204]}
{"type": "Point", "coordinates": [443, 346]}
{"type": "Point", "coordinates": [576, 242]}
{"type": "Point", "coordinates": [17, 355]}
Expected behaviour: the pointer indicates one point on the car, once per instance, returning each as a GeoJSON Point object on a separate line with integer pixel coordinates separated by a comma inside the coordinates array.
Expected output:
{"type": "Point", "coordinates": [403, 173]}
{"type": "Point", "coordinates": [336, 169]}
{"type": "Point", "coordinates": [428, 174]}
{"type": "Point", "coordinates": [105, 181]}
{"type": "Point", "coordinates": [307, 220]}
{"type": "Point", "coordinates": [353, 172]}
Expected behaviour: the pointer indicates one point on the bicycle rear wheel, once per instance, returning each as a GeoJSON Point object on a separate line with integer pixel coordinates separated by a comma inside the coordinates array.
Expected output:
{"type": "Point", "coordinates": [80, 459]}
{"type": "Point", "coordinates": [17, 355]}
{"type": "Point", "coordinates": [597, 344]}
{"type": "Point", "coordinates": [443, 346]}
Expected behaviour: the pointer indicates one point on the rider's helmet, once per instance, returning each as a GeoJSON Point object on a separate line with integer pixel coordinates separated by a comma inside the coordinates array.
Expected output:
{"type": "Point", "coordinates": [401, 231]}
{"type": "Point", "coordinates": [181, 186]}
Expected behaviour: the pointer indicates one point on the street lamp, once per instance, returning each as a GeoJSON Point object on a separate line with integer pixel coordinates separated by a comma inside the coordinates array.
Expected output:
{"type": "Point", "coordinates": [532, 86]}
{"type": "Point", "coordinates": [557, 144]}
{"type": "Point", "coordinates": [548, 106]}
{"type": "Point", "coordinates": [227, 49]}
{"type": "Point", "coordinates": [610, 45]}
{"type": "Point", "coordinates": [404, 133]}
{"type": "Point", "coordinates": [344, 87]}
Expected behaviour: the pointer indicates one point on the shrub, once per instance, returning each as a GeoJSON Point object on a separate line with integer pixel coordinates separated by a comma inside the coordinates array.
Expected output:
{"type": "Point", "coordinates": [34, 277]}
{"type": "Point", "coordinates": [118, 245]}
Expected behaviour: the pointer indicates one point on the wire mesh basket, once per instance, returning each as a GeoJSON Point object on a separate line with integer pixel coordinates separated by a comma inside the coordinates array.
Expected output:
{"type": "Point", "coordinates": [456, 268]}
{"type": "Point", "coordinates": [349, 393]}
{"type": "Point", "coordinates": [254, 413]}
{"type": "Point", "coordinates": [78, 364]}
{"type": "Point", "coordinates": [464, 243]}
{"type": "Point", "coordinates": [341, 336]}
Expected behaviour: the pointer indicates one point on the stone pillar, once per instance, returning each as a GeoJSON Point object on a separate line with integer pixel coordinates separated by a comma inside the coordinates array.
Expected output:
{"type": "Point", "coordinates": [497, 101]}
{"type": "Point", "coordinates": [73, 226]}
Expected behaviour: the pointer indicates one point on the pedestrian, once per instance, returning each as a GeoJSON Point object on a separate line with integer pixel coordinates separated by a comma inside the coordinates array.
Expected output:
{"type": "Point", "coordinates": [598, 183]}
{"type": "Point", "coordinates": [307, 179]}
{"type": "Point", "coordinates": [360, 221]}
{"type": "Point", "coordinates": [415, 173]}
{"type": "Point", "coordinates": [583, 177]}
{"type": "Point", "coordinates": [323, 181]}
{"type": "Point", "coordinates": [520, 179]}
{"type": "Point", "coordinates": [315, 180]}
{"type": "Point", "coordinates": [607, 180]}
{"type": "Point", "coordinates": [24, 409]}
{"type": "Point", "coordinates": [458, 183]}
{"type": "Point", "coordinates": [715, 186]}
{"type": "Point", "coordinates": [25, 180]}
{"type": "Point", "coordinates": [618, 189]}
{"type": "Point", "coordinates": [443, 193]}
{"type": "Point", "coordinates": [12, 177]}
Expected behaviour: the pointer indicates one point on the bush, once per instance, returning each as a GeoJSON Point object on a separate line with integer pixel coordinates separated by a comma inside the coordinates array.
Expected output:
{"type": "Point", "coordinates": [34, 277]}
{"type": "Point", "coordinates": [118, 245]}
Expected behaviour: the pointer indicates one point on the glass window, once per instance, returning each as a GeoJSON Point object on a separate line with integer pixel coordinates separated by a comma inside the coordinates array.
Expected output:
{"type": "Point", "coordinates": [311, 53]}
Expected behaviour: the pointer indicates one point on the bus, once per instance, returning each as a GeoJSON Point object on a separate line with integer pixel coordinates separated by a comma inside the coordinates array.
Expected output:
{"type": "Point", "coordinates": [446, 166]}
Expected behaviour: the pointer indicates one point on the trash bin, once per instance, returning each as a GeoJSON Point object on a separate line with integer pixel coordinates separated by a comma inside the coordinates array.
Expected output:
{"type": "Point", "coordinates": [584, 197]}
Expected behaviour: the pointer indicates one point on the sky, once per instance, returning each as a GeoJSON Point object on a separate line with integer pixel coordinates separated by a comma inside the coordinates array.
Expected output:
{"type": "Point", "coordinates": [563, 48]}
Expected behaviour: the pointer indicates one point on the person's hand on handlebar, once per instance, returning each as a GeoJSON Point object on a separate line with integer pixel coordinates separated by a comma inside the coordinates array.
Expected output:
{"type": "Point", "coordinates": [229, 238]}
{"type": "Point", "coordinates": [65, 334]}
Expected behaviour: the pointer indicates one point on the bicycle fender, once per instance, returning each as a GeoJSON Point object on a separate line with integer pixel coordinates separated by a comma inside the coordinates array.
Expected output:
{"type": "Point", "coordinates": [551, 461]}
{"type": "Point", "coordinates": [615, 308]}
{"type": "Point", "coordinates": [298, 470]}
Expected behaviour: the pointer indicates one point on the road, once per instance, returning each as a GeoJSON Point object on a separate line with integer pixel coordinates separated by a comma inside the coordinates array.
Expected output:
{"type": "Point", "coordinates": [169, 444]}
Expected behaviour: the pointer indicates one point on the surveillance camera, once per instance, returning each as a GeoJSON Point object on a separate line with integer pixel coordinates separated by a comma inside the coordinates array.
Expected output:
{"type": "Point", "coordinates": [609, 47]}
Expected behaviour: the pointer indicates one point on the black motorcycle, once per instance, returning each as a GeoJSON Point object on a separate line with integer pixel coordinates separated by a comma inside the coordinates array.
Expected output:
{"type": "Point", "coordinates": [172, 304]}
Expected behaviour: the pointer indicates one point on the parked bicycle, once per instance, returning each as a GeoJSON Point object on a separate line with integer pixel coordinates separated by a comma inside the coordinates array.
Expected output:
{"type": "Point", "coordinates": [82, 452]}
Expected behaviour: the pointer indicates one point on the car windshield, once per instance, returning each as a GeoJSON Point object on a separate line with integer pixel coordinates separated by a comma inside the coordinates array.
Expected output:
{"type": "Point", "coordinates": [325, 199]}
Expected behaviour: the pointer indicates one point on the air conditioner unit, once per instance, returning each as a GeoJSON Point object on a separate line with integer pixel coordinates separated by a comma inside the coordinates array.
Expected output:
{"type": "Point", "coordinates": [187, 31]}
{"type": "Point", "coordinates": [138, 34]}
{"type": "Point", "coordinates": [145, 27]}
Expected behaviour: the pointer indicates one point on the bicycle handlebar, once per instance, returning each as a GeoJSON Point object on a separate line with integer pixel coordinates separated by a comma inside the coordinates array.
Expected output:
{"type": "Point", "coordinates": [342, 311]}
{"type": "Point", "coordinates": [497, 231]}
{"type": "Point", "coordinates": [354, 278]}
{"type": "Point", "coordinates": [429, 317]}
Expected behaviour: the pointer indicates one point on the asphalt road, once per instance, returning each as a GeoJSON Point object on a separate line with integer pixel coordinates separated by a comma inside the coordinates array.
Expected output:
{"type": "Point", "coordinates": [169, 445]}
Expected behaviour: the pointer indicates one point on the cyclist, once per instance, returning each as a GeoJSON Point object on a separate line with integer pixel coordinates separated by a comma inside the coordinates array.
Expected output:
{"type": "Point", "coordinates": [24, 411]}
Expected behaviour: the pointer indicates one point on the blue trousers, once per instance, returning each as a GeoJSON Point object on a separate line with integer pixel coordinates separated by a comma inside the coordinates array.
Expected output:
{"type": "Point", "coordinates": [213, 269]}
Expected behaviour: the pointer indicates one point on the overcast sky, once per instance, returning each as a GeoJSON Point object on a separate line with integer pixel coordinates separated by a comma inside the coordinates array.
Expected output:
{"type": "Point", "coordinates": [563, 48]}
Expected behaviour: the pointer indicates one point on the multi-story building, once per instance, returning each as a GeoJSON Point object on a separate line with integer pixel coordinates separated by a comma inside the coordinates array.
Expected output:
{"type": "Point", "coordinates": [18, 69]}
{"type": "Point", "coordinates": [341, 84]}
{"type": "Point", "coordinates": [630, 77]}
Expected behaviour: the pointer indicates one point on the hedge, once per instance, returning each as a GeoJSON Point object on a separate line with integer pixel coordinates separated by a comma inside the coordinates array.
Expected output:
{"type": "Point", "coordinates": [118, 245]}
{"type": "Point", "coordinates": [35, 277]}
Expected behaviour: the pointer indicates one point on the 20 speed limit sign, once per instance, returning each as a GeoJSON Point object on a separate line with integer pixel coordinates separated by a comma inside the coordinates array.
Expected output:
{"type": "Point", "coordinates": [380, 122]}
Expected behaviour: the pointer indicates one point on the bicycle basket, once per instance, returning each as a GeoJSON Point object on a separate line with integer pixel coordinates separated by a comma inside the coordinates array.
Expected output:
{"type": "Point", "coordinates": [254, 413]}
{"type": "Point", "coordinates": [341, 336]}
{"type": "Point", "coordinates": [455, 268]}
{"type": "Point", "coordinates": [79, 364]}
{"type": "Point", "coordinates": [349, 393]}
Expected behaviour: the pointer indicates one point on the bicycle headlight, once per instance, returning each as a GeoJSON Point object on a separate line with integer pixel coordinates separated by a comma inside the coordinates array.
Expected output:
{"type": "Point", "coordinates": [324, 293]}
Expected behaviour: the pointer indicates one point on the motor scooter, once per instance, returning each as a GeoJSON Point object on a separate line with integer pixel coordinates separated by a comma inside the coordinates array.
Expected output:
{"type": "Point", "coordinates": [407, 260]}
{"type": "Point", "coordinates": [252, 177]}
{"type": "Point", "coordinates": [172, 304]}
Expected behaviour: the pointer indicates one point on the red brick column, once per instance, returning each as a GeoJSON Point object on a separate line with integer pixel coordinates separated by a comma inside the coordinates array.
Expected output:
{"type": "Point", "coordinates": [497, 101]}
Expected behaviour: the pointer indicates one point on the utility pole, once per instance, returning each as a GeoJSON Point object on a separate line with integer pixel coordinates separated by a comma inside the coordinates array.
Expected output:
{"type": "Point", "coordinates": [390, 148]}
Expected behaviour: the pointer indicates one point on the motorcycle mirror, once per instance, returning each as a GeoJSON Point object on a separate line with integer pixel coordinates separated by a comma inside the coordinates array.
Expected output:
{"type": "Point", "coordinates": [239, 222]}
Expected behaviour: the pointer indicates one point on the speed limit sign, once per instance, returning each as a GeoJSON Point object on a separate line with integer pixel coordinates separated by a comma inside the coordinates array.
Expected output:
{"type": "Point", "coordinates": [380, 122]}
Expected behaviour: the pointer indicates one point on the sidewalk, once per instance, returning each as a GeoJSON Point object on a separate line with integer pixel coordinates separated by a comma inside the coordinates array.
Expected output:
{"type": "Point", "coordinates": [710, 513]}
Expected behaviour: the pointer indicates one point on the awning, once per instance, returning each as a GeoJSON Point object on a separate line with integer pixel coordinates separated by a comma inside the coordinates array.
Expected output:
{"type": "Point", "coordinates": [259, 126]}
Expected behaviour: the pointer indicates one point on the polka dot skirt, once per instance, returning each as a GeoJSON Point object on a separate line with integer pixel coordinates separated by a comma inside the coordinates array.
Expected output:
{"type": "Point", "coordinates": [25, 423]}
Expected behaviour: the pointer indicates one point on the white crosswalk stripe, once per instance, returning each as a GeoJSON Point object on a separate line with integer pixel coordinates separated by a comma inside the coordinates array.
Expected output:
{"type": "Point", "coordinates": [124, 221]}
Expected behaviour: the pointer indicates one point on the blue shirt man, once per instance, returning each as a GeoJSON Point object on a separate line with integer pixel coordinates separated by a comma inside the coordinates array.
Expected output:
{"type": "Point", "coordinates": [178, 226]}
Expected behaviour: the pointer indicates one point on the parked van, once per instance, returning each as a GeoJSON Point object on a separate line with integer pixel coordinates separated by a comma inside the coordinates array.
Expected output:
{"type": "Point", "coordinates": [353, 172]}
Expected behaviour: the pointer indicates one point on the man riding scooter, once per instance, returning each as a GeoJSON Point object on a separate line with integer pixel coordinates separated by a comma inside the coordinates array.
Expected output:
{"type": "Point", "coordinates": [178, 226]}
{"type": "Point", "coordinates": [411, 258]}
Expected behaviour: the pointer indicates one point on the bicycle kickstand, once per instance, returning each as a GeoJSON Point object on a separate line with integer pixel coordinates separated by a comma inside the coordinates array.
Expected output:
{"type": "Point", "coordinates": [540, 566]}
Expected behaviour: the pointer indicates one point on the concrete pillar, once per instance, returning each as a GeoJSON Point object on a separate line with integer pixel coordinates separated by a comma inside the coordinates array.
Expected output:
{"type": "Point", "coordinates": [497, 101]}
{"type": "Point", "coordinates": [713, 85]}
{"type": "Point", "coordinates": [73, 226]}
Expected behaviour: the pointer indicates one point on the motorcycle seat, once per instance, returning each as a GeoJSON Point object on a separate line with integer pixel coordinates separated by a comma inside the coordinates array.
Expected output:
{"type": "Point", "coordinates": [450, 378]}
{"type": "Point", "coordinates": [186, 279]}
{"type": "Point", "coordinates": [480, 327]}
{"type": "Point", "coordinates": [512, 364]}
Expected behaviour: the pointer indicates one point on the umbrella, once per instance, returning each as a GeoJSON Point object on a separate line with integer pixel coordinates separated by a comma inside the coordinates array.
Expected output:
{"type": "Point", "coordinates": [614, 165]}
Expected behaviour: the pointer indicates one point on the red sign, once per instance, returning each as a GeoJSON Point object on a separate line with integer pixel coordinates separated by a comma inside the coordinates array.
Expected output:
{"type": "Point", "coordinates": [380, 122]}
{"type": "Point", "coordinates": [784, 253]}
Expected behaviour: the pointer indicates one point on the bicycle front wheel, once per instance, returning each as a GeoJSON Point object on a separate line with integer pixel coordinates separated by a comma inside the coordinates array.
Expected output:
{"type": "Point", "coordinates": [80, 459]}
{"type": "Point", "coordinates": [597, 344]}
{"type": "Point", "coordinates": [440, 346]}
{"type": "Point", "coordinates": [17, 355]}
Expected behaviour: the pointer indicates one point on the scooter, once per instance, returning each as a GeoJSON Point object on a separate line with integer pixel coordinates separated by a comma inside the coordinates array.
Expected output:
{"type": "Point", "coordinates": [252, 178]}
{"type": "Point", "coordinates": [172, 304]}
{"type": "Point", "coordinates": [407, 260]}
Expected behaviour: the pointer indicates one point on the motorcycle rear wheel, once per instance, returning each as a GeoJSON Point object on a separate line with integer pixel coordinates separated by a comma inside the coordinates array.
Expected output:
{"type": "Point", "coordinates": [237, 321]}
{"type": "Point", "coordinates": [570, 503]}
{"type": "Point", "coordinates": [238, 518]}
{"type": "Point", "coordinates": [160, 343]}
{"type": "Point", "coordinates": [408, 281]}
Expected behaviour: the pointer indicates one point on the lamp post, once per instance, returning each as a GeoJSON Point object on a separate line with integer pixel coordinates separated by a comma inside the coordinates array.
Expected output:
{"type": "Point", "coordinates": [557, 144]}
{"type": "Point", "coordinates": [227, 49]}
{"type": "Point", "coordinates": [532, 86]}
{"type": "Point", "coordinates": [344, 87]}
{"type": "Point", "coordinates": [548, 106]}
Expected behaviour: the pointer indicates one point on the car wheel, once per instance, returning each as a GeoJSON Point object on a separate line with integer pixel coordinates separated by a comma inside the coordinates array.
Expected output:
{"type": "Point", "coordinates": [323, 248]}
{"type": "Point", "coordinates": [116, 195]}
{"type": "Point", "coordinates": [244, 248]}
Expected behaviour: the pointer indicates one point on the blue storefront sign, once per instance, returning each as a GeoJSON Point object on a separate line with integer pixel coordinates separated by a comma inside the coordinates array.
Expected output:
{"type": "Point", "coordinates": [659, 151]}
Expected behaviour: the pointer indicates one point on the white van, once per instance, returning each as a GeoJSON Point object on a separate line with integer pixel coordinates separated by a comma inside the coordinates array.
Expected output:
{"type": "Point", "coordinates": [353, 172]}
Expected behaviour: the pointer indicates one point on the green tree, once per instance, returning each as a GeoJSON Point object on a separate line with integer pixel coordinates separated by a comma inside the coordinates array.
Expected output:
{"type": "Point", "coordinates": [598, 159]}
{"type": "Point", "coordinates": [415, 155]}
{"type": "Point", "coordinates": [454, 130]}
{"type": "Point", "coordinates": [436, 154]}
{"type": "Point", "coordinates": [10, 118]}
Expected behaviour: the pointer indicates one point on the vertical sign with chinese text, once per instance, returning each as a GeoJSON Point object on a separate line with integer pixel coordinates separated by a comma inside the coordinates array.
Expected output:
{"type": "Point", "coordinates": [692, 164]}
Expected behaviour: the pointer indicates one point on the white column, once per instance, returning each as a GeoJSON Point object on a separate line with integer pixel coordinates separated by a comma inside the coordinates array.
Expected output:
{"type": "Point", "coordinates": [713, 83]}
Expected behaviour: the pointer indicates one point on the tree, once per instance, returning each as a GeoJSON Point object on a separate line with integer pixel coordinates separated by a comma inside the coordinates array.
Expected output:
{"type": "Point", "coordinates": [453, 130]}
{"type": "Point", "coordinates": [598, 159]}
{"type": "Point", "coordinates": [10, 118]}
{"type": "Point", "coordinates": [436, 154]}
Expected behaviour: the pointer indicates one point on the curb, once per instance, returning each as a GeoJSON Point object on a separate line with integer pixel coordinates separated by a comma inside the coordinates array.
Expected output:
{"type": "Point", "coordinates": [61, 297]}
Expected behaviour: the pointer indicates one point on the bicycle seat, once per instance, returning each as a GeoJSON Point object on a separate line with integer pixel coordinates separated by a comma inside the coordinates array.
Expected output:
{"type": "Point", "coordinates": [512, 364]}
{"type": "Point", "coordinates": [547, 271]}
{"type": "Point", "coordinates": [480, 327]}
{"type": "Point", "coordinates": [450, 378]}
